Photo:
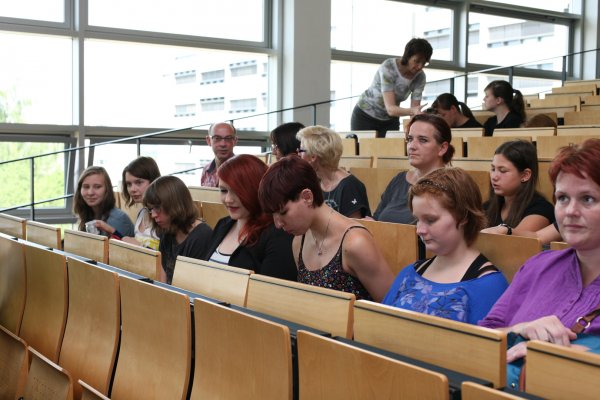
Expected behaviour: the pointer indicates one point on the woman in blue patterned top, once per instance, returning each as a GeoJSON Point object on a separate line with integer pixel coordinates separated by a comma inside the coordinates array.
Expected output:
{"type": "Point", "coordinates": [458, 283]}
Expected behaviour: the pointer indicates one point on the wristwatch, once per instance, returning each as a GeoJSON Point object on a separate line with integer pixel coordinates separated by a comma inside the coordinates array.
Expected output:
{"type": "Point", "coordinates": [509, 229]}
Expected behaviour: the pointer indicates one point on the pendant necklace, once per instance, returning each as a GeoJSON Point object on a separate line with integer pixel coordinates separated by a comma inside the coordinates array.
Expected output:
{"type": "Point", "coordinates": [320, 247]}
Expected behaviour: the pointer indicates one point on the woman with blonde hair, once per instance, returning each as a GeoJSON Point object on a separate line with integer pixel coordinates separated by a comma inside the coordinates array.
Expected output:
{"type": "Point", "coordinates": [322, 148]}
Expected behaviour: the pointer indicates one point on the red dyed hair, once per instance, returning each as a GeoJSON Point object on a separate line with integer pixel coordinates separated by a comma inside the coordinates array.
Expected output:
{"type": "Point", "coordinates": [243, 174]}
{"type": "Point", "coordinates": [578, 160]}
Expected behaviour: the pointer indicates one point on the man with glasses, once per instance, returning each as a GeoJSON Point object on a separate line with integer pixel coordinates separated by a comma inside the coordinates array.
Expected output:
{"type": "Point", "coordinates": [222, 138]}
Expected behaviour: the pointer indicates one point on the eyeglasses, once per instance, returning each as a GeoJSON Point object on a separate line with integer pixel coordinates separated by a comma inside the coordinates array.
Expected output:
{"type": "Point", "coordinates": [156, 209]}
{"type": "Point", "coordinates": [217, 139]}
{"type": "Point", "coordinates": [274, 147]}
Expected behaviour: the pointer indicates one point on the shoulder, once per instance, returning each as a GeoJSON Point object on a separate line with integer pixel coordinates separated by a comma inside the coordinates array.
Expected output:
{"type": "Point", "coordinates": [539, 205]}
{"type": "Point", "coordinates": [352, 181]}
{"type": "Point", "coordinates": [117, 213]}
{"type": "Point", "coordinates": [357, 239]}
{"type": "Point", "coordinates": [201, 231]}
{"type": "Point", "coordinates": [223, 224]}
{"type": "Point", "coordinates": [547, 262]}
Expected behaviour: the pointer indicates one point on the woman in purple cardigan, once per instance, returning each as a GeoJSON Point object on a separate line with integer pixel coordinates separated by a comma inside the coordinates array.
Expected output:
{"type": "Point", "coordinates": [554, 290]}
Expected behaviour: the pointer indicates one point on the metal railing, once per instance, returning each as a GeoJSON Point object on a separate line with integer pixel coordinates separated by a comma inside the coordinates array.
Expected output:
{"type": "Point", "coordinates": [508, 70]}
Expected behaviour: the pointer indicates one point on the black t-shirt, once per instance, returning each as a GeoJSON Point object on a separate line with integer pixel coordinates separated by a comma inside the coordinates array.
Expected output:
{"type": "Point", "coordinates": [471, 123]}
{"type": "Point", "coordinates": [538, 206]}
{"type": "Point", "coordinates": [512, 120]}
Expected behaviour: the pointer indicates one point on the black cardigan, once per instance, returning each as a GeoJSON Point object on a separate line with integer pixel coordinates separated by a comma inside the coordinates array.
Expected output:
{"type": "Point", "coordinates": [271, 255]}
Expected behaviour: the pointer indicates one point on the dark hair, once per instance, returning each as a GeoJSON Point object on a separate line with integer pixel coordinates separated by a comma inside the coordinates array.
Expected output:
{"type": "Point", "coordinates": [284, 137]}
{"type": "Point", "coordinates": [458, 193]}
{"type": "Point", "coordinates": [285, 180]}
{"type": "Point", "coordinates": [446, 100]}
{"type": "Point", "coordinates": [80, 207]}
{"type": "Point", "coordinates": [512, 97]}
{"type": "Point", "coordinates": [173, 197]}
{"type": "Point", "coordinates": [579, 160]}
{"type": "Point", "coordinates": [143, 168]}
{"type": "Point", "coordinates": [243, 174]}
{"type": "Point", "coordinates": [522, 155]}
{"type": "Point", "coordinates": [540, 120]}
{"type": "Point", "coordinates": [443, 133]}
{"type": "Point", "coordinates": [416, 46]}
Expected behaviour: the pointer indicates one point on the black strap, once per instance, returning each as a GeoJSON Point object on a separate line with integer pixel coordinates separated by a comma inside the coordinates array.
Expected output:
{"type": "Point", "coordinates": [475, 270]}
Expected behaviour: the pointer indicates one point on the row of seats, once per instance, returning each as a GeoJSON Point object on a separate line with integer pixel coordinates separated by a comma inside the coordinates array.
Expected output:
{"type": "Point", "coordinates": [241, 354]}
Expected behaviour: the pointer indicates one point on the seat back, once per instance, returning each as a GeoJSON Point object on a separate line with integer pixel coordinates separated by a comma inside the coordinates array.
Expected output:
{"type": "Point", "coordinates": [132, 211]}
{"type": "Point", "coordinates": [13, 226]}
{"type": "Point", "coordinates": [590, 117]}
{"type": "Point", "coordinates": [482, 179]}
{"type": "Point", "coordinates": [578, 130]}
{"type": "Point", "coordinates": [375, 180]}
{"type": "Point", "coordinates": [133, 258]}
{"type": "Point", "coordinates": [507, 252]}
{"type": "Point", "coordinates": [90, 393]}
{"type": "Point", "coordinates": [47, 301]}
{"type": "Point", "coordinates": [46, 380]}
{"type": "Point", "coordinates": [91, 337]}
{"type": "Point", "coordinates": [465, 348]}
{"type": "Point", "coordinates": [485, 147]}
{"type": "Point", "coordinates": [13, 283]}
{"type": "Point", "coordinates": [559, 245]}
{"type": "Point", "coordinates": [203, 193]}
{"type": "Point", "coordinates": [558, 372]}
{"type": "Point", "coordinates": [547, 147]}
{"type": "Point", "coordinates": [13, 364]}
{"type": "Point", "coordinates": [475, 391]}
{"type": "Point", "coordinates": [88, 245]}
{"type": "Point", "coordinates": [329, 369]}
{"type": "Point", "coordinates": [467, 132]}
{"type": "Point", "coordinates": [388, 236]}
{"type": "Point", "coordinates": [534, 133]}
{"type": "Point", "coordinates": [217, 281]}
{"type": "Point", "coordinates": [320, 308]}
{"type": "Point", "coordinates": [212, 212]}
{"type": "Point", "coordinates": [356, 161]}
{"type": "Point", "coordinates": [156, 337]}
{"type": "Point", "coordinates": [44, 234]}
{"type": "Point", "coordinates": [239, 355]}
{"type": "Point", "coordinates": [377, 147]}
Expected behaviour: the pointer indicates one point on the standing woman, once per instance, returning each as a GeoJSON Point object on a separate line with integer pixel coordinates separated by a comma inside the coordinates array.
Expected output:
{"type": "Point", "coordinates": [95, 200]}
{"type": "Point", "coordinates": [456, 113]}
{"type": "Point", "coordinates": [330, 250]}
{"type": "Point", "coordinates": [513, 201]}
{"type": "Point", "coordinates": [137, 176]}
{"type": "Point", "coordinates": [175, 219]}
{"type": "Point", "coordinates": [428, 145]}
{"type": "Point", "coordinates": [508, 105]}
{"type": "Point", "coordinates": [458, 283]}
{"type": "Point", "coordinates": [343, 192]}
{"type": "Point", "coordinates": [284, 141]}
{"type": "Point", "coordinates": [378, 108]}
{"type": "Point", "coordinates": [247, 238]}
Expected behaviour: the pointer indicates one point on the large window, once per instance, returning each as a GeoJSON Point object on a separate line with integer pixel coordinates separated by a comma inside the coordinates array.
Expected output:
{"type": "Point", "coordinates": [227, 19]}
{"type": "Point", "coordinates": [42, 10]}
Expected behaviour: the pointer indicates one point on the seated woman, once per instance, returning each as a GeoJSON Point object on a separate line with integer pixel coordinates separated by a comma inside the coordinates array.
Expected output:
{"type": "Point", "coordinates": [513, 201]}
{"type": "Point", "coordinates": [428, 146]}
{"type": "Point", "coordinates": [456, 113]}
{"type": "Point", "coordinates": [284, 141]}
{"type": "Point", "coordinates": [94, 200]}
{"type": "Point", "coordinates": [290, 191]}
{"type": "Point", "coordinates": [248, 238]}
{"type": "Point", "coordinates": [554, 289]}
{"type": "Point", "coordinates": [175, 219]}
{"type": "Point", "coordinates": [508, 105]}
{"type": "Point", "coordinates": [342, 191]}
{"type": "Point", "coordinates": [458, 283]}
{"type": "Point", "coordinates": [137, 176]}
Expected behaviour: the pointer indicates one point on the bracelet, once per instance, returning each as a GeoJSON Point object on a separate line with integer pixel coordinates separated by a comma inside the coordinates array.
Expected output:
{"type": "Point", "coordinates": [509, 229]}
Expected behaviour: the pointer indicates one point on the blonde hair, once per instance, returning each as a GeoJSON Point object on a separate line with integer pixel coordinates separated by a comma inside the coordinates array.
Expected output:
{"type": "Point", "coordinates": [323, 143]}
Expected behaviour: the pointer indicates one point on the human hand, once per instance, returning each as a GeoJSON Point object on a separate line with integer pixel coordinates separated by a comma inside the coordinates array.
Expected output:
{"type": "Point", "coordinates": [547, 329]}
{"type": "Point", "coordinates": [498, 229]}
{"type": "Point", "coordinates": [104, 227]}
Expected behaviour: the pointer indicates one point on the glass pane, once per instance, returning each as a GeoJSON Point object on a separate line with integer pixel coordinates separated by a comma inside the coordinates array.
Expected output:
{"type": "Point", "coordinates": [171, 159]}
{"type": "Point", "coordinates": [36, 80]}
{"type": "Point", "coordinates": [568, 6]}
{"type": "Point", "coordinates": [49, 175]}
{"type": "Point", "coordinates": [511, 41]}
{"type": "Point", "coordinates": [144, 85]}
{"type": "Point", "coordinates": [227, 19]}
{"type": "Point", "coordinates": [43, 10]}
{"type": "Point", "coordinates": [384, 27]}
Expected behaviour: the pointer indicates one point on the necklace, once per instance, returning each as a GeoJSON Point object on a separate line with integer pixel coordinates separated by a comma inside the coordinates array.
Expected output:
{"type": "Point", "coordinates": [320, 250]}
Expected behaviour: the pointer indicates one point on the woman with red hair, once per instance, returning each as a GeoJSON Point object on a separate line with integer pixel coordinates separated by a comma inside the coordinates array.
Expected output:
{"type": "Point", "coordinates": [247, 238]}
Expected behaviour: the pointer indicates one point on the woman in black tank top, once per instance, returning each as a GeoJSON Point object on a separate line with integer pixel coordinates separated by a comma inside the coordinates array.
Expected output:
{"type": "Point", "coordinates": [330, 249]}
